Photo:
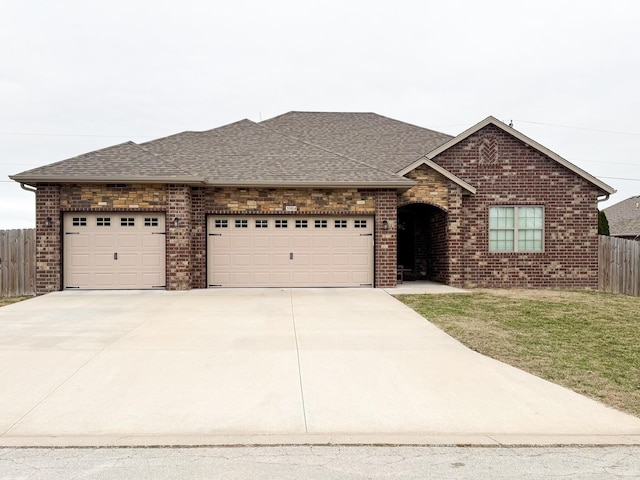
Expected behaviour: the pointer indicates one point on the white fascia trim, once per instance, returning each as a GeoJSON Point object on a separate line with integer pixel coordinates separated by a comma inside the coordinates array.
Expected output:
{"type": "Point", "coordinates": [528, 141]}
{"type": "Point", "coordinates": [430, 163]}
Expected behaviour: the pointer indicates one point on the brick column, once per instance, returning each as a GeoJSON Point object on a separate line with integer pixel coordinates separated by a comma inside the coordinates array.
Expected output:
{"type": "Point", "coordinates": [198, 239]}
{"type": "Point", "coordinates": [48, 239]}
{"type": "Point", "coordinates": [457, 262]}
{"type": "Point", "coordinates": [179, 238]}
{"type": "Point", "coordinates": [386, 244]}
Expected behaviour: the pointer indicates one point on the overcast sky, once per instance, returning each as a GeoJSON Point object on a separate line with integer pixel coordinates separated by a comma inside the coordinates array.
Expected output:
{"type": "Point", "coordinates": [76, 76]}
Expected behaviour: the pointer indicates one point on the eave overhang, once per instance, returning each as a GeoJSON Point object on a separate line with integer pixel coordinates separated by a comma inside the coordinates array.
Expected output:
{"type": "Point", "coordinates": [430, 163]}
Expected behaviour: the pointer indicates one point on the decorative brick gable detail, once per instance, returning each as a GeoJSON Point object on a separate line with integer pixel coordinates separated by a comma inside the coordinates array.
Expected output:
{"type": "Point", "coordinates": [508, 172]}
{"type": "Point", "coordinates": [179, 237]}
{"type": "Point", "coordinates": [386, 243]}
{"type": "Point", "coordinates": [48, 241]}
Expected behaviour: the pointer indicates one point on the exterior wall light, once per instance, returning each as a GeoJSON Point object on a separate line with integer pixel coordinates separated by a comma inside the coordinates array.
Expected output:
{"type": "Point", "coordinates": [49, 221]}
{"type": "Point", "coordinates": [385, 225]}
{"type": "Point", "coordinates": [176, 222]}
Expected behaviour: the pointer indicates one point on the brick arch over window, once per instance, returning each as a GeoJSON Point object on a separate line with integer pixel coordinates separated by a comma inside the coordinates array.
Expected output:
{"type": "Point", "coordinates": [422, 241]}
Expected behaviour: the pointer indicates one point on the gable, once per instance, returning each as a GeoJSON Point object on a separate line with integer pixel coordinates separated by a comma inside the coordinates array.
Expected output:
{"type": "Point", "coordinates": [487, 151]}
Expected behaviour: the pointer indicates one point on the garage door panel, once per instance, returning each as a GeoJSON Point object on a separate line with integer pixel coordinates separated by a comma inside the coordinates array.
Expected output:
{"type": "Point", "coordinates": [109, 253]}
{"type": "Point", "coordinates": [280, 241]}
{"type": "Point", "coordinates": [341, 242]}
{"type": "Point", "coordinates": [221, 260]}
{"type": "Point", "coordinates": [80, 260]}
{"type": "Point", "coordinates": [262, 260]}
{"type": "Point", "coordinates": [241, 241]}
{"type": "Point", "coordinates": [292, 256]}
{"type": "Point", "coordinates": [261, 241]}
{"type": "Point", "coordinates": [102, 260]}
{"type": "Point", "coordinates": [77, 241]}
{"type": "Point", "coordinates": [241, 259]}
{"type": "Point", "coordinates": [152, 260]}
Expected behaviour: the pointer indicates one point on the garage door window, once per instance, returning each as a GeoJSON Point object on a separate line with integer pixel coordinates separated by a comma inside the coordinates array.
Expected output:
{"type": "Point", "coordinates": [302, 223]}
{"type": "Point", "coordinates": [127, 222]}
{"type": "Point", "coordinates": [321, 224]}
{"type": "Point", "coordinates": [242, 223]}
{"type": "Point", "coordinates": [281, 223]}
{"type": "Point", "coordinates": [360, 224]}
{"type": "Point", "coordinates": [262, 223]}
{"type": "Point", "coordinates": [103, 222]}
{"type": "Point", "coordinates": [151, 221]}
{"type": "Point", "coordinates": [340, 224]}
{"type": "Point", "coordinates": [221, 224]}
{"type": "Point", "coordinates": [79, 221]}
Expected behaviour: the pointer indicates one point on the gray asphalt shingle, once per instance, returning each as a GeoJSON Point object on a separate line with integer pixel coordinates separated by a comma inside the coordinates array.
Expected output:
{"type": "Point", "coordinates": [371, 138]}
{"type": "Point", "coordinates": [294, 148]}
{"type": "Point", "coordinates": [624, 217]}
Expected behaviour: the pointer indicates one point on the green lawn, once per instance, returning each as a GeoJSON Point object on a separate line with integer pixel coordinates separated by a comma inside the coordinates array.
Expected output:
{"type": "Point", "coordinates": [584, 340]}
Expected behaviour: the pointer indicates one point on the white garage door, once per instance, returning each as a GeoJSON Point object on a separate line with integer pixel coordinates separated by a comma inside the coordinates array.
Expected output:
{"type": "Point", "coordinates": [114, 250]}
{"type": "Point", "coordinates": [289, 251]}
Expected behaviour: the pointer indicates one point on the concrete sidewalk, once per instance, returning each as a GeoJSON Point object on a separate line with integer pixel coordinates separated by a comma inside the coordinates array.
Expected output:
{"type": "Point", "coordinates": [267, 366]}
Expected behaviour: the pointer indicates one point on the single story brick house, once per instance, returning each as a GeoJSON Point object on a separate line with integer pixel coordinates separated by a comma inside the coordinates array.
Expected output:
{"type": "Point", "coordinates": [317, 200]}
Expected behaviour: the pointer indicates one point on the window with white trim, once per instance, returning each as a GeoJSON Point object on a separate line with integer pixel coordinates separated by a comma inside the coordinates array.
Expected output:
{"type": "Point", "coordinates": [516, 229]}
{"type": "Point", "coordinates": [262, 223]}
{"type": "Point", "coordinates": [242, 223]}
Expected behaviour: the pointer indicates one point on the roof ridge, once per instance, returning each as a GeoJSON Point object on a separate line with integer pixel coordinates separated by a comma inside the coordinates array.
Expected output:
{"type": "Point", "coordinates": [324, 149]}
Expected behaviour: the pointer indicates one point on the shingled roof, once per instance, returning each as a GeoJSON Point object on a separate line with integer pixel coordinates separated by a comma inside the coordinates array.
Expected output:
{"type": "Point", "coordinates": [624, 218]}
{"type": "Point", "coordinates": [246, 152]}
{"type": "Point", "coordinates": [241, 153]}
{"type": "Point", "coordinates": [368, 137]}
{"type": "Point", "coordinates": [124, 162]}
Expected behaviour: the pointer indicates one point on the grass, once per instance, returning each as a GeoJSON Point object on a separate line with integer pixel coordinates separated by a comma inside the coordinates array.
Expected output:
{"type": "Point", "coordinates": [586, 341]}
{"type": "Point", "coordinates": [9, 300]}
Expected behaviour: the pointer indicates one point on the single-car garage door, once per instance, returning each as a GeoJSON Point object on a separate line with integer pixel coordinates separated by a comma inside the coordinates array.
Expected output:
{"type": "Point", "coordinates": [114, 250]}
{"type": "Point", "coordinates": [289, 251]}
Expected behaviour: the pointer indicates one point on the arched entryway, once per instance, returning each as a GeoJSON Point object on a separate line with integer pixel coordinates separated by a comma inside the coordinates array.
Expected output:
{"type": "Point", "coordinates": [422, 242]}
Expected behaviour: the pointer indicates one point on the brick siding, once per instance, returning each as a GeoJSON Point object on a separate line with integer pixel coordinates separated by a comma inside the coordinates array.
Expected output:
{"type": "Point", "coordinates": [508, 172]}
{"type": "Point", "coordinates": [48, 241]}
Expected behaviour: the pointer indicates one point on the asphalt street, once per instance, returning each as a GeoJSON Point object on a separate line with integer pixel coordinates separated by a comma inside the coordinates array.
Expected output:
{"type": "Point", "coordinates": [321, 463]}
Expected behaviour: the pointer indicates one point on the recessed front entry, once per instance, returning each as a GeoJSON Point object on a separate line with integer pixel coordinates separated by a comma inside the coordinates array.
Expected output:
{"type": "Point", "coordinates": [289, 251]}
{"type": "Point", "coordinates": [114, 250]}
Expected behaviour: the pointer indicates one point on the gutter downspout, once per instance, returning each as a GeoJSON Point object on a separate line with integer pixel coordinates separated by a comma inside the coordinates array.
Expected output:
{"type": "Point", "coordinates": [28, 189]}
{"type": "Point", "coordinates": [604, 199]}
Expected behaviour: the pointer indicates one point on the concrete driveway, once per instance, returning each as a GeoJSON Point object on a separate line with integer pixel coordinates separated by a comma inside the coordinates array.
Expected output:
{"type": "Point", "coordinates": [267, 366]}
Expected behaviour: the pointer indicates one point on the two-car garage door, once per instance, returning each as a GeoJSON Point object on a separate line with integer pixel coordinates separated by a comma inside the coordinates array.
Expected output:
{"type": "Point", "coordinates": [114, 250]}
{"type": "Point", "coordinates": [290, 251]}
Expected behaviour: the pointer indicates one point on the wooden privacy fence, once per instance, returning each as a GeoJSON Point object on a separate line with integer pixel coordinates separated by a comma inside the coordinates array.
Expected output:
{"type": "Point", "coordinates": [619, 266]}
{"type": "Point", "coordinates": [17, 262]}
